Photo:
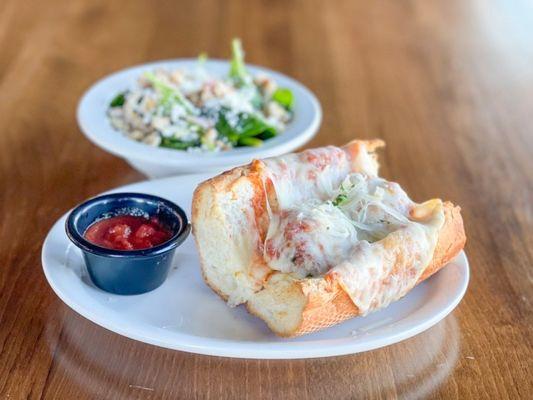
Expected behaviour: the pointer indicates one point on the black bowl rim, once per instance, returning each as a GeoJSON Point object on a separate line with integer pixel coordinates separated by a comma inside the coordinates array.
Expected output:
{"type": "Point", "coordinates": [176, 239]}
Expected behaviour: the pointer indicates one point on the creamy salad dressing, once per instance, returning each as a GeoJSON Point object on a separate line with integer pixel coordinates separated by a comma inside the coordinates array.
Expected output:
{"type": "Point", "coordinates": [354, 225]}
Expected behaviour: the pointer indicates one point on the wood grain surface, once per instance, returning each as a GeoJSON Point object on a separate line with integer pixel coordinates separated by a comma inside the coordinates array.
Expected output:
{"type": "Point", "coordinates": [448, 85]}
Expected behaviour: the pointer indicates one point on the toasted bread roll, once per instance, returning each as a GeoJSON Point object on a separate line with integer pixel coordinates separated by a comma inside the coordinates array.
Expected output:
{"type": "Point", "coordinates": [251, 254]}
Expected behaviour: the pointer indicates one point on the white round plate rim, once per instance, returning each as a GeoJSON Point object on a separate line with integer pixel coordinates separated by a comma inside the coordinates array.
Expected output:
{"type": "Point", "coordinates": [275, 349]}
{"type": "Point", "coordinates": [92, 120]}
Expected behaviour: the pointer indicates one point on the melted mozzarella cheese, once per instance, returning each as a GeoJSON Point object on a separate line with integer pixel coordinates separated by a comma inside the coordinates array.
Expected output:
{"type": "Point", "coordinates": [354, 225]}
{"type": "Point", "coordinates": [376, 274]}
{"type": "Point", "coordinates": [309, 239]}
{"type": "Point", "coordinates": [314, 174]}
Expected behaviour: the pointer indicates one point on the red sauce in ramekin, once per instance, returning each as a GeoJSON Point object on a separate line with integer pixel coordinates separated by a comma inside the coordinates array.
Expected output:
{"type": "Point", "coordinates": [127, 232]}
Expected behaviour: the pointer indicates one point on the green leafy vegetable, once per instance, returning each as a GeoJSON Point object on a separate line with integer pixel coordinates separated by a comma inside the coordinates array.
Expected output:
{"type": "Point", "coordinates": [284, 97]}
{"type": "Point", "coordinates": [248, 126]}
{"type": "Point", "coordinates": [249, 141]}
{"type": "Point", "coordinates": [224, 128]}
{"type": "Point", "coordinates": [178, 144]}
{"type": "Point", "coordinates": [119, 100]}
{"type": "Point", "coordinates": [240, 76]}
{"type": "Point", "coordinates": [266, 135]}
{"type": "Point", "coordinates": [238, 71]}
{"type": "Point", "coordinates": [251, 125]}
{"type": "Point", "coordinates": [170, 95]}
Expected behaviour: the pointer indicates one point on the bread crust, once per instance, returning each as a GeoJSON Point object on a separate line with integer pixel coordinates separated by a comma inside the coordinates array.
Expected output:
{"type": "Point", "coordinates": [326, 303]}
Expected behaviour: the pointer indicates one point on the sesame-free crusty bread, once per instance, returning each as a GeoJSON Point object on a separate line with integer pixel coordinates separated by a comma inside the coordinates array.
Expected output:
{"type": "Point", "coordinates": [230, 220]}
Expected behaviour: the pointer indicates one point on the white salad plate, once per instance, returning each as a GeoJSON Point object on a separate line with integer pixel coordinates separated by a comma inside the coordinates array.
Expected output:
{"type": "Point", "coordinates": [184, 314]}
{"type": "Point", "coordinates": [159, 162]}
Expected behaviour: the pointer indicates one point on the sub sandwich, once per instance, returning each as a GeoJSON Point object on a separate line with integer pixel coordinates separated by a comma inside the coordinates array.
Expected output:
{"type": "Point", "coordinates": [308, 240]}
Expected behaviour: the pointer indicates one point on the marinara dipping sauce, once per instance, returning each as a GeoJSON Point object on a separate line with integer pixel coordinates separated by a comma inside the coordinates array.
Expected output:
{"type": "Point", "coordinates": [127, 232]}
{"type": "Point", "coordinates": [128, 240]}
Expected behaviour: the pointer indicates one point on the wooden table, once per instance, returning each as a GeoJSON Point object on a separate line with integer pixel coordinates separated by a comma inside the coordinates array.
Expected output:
{"type": "Point", "coordinates": [448, 85]}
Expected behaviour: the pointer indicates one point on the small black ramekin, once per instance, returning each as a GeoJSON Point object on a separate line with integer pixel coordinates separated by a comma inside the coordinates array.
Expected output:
{"type": "Point", "coordinates": [127, 271]}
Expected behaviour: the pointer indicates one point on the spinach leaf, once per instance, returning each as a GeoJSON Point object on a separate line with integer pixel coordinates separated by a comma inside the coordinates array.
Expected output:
{"type": "Point", "coordinates": [119, 100]}
{"type": "Point", "coordinates": [249, 141]}
{"type": "Point", "coordinates": [247, 126]}
{"type": "Point", "coordinates": [284, 97]}
{"type": "Point", "coordinates": [173, 143]}
{"type": "Point", "coordinates": [250, 125]}
{"type": "Point", "coordinates": [266, 135]}
{"type": "Point", "coordinates": [225, 129]}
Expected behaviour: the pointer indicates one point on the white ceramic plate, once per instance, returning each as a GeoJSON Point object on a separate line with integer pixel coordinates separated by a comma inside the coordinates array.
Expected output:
{"type": "Point", "coordinates": [184, 314]}
{"type": "Point", "coordinates": [157, 161]}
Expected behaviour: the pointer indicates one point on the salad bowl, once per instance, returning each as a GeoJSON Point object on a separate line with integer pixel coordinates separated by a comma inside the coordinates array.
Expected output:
{"type": "Point", "coordinates": [153, 161]}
